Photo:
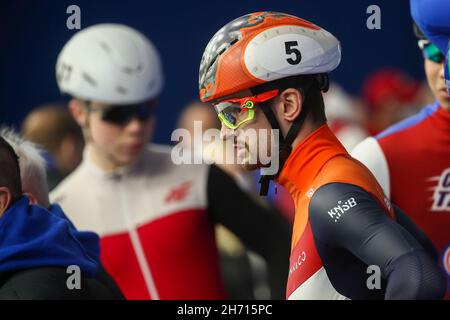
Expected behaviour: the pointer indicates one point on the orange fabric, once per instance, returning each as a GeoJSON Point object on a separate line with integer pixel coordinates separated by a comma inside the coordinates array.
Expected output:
{"type": "Point", "coordinates": [319, 160]}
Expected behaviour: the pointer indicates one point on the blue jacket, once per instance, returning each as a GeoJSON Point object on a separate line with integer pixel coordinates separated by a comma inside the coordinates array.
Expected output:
{"type": "Point", "coordinates": [32, 236]}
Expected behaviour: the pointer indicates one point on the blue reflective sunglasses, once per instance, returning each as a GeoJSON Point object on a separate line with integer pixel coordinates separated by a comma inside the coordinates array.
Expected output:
{"type": "Point", "coordinates": [431, 52]}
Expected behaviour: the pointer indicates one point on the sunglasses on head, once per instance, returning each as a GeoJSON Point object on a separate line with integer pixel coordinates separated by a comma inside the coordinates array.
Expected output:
{"type": "Point", "coordinates": [431, 52]}
{"type": "Point", "coordinates": [121, 115]}
{"type": "Point", "coordinates": [233, 113]}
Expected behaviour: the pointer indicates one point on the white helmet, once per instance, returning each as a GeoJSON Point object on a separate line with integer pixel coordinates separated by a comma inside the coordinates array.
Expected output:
{"type": "Point", "coordinates": [110, 63]}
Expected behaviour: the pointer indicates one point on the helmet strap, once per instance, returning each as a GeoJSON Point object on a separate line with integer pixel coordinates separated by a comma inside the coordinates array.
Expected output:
{"type": "Point", "coordinates": [285, 143]}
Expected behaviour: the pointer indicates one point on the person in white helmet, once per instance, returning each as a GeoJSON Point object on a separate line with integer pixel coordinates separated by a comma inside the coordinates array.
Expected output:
{"type": "Point", "coordinates": [155, 219]}
{"type": "Point", "coordinates": [266, 71]}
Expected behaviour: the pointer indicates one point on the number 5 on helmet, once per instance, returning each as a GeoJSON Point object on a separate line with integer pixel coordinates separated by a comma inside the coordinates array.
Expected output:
{"type": "Point", "coordinates": [263, 47]}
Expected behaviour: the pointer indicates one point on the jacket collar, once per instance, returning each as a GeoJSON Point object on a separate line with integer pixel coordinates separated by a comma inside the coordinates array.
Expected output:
{"type": "Point", "coordinates": [308, 158]}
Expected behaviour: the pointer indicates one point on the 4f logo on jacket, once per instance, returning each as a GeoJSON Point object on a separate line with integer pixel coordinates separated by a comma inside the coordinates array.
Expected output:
{"type": "Point", "coordinates": [178, 193]}
{"type": "Point", "coordinates": [441, 196]}
{"type": "Point", "coordinates": [341, 208]}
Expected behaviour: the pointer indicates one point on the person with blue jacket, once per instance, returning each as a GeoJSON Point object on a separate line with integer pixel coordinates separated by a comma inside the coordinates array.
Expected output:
{"type": "Point", "coordinates": [42, 255]}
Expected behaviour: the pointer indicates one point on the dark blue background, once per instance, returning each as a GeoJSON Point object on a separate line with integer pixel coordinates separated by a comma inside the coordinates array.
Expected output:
{"type": "Point", "coordinates": [33, 32]}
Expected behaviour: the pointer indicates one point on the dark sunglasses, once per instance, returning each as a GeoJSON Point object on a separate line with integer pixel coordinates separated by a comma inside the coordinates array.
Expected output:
{"type": "Point", "coordinates": [431, 52]}
{"type": "Point", "coordinates": [121, 115]}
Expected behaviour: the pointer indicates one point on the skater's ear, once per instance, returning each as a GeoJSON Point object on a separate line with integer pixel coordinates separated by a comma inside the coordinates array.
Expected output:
{"type": "Point", "coordinates": [5, 199]}
{"type": "Point", "coordinates": [78, 110]}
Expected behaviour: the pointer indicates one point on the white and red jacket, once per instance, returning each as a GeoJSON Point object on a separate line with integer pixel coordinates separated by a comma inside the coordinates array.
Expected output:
{"type": "Point", "coordinates": [156, 240]}
{"type": "Point", "coordinates": [156, 224]}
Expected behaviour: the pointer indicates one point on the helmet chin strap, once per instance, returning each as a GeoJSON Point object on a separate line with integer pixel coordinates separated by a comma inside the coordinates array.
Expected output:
{"type": "Point", "coordinates": [319, 81]}
{"type": "Point", "coordinates": [284, 143]}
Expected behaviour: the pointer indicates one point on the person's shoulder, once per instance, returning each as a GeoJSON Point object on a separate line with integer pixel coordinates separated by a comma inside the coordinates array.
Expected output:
{"type": "Point", "coordinates": [412, 123]}
{"type": "Point", "coordinates": [347, 170]}
{"type": "Point", "coordinates": [334, 204]}
{"type": "Point", "coordinates": [343, 169]}
{"type": "Point", "coordinates": [69, 184]}
{"type": "Point", "coordinates": [370, 153]}
{"type": "Point", "coordinates": [324, 201]}
{"type": "Point", "coordinates": [373, 157]}
{"type": "Point", "coordinates": [366, 150]}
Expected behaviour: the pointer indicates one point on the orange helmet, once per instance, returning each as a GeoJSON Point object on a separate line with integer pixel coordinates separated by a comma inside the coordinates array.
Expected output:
{"type": "Point", "coordinates": [262, 47]}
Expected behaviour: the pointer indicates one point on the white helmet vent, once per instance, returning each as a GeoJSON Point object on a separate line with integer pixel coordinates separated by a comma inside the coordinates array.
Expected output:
{"type": "Point", "coordinates": [110, 63]}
